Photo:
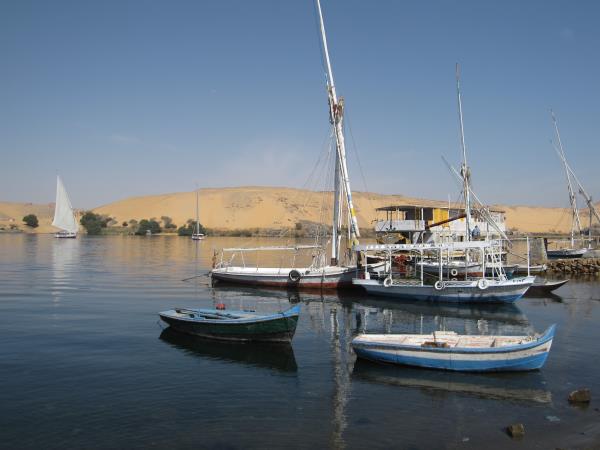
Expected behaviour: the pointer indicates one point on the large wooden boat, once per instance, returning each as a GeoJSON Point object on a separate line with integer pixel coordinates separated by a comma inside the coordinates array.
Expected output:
{"type": "Point", "coordinates": [325, 277]}
{"type": "Point", "coordinates": [322, 272]}
{"type": "Point", "coordinates": [234, 325]}
{"type": "Point", "coordinates": [450, 351]}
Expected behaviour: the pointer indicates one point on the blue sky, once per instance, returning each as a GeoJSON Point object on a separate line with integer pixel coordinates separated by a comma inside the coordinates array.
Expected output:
{"type": "Point", "coordinates": [127, 98]}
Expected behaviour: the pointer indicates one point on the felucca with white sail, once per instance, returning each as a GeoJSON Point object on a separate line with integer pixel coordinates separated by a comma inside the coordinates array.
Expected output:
{"type": "Point", "coordinates": [318, 274]}
{"type": "Point", "coordinates": [64, 216]}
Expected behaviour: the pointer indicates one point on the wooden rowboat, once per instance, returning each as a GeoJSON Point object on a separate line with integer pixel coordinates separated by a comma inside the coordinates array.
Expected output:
{"type": "Point", "coordinates": [234, 325]}
{"type": "Point", "coordinates": [450, 351]}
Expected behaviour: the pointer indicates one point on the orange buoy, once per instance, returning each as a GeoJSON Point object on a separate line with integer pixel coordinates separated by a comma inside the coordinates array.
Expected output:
{"type": "Point", "coordinates": [221, 306]}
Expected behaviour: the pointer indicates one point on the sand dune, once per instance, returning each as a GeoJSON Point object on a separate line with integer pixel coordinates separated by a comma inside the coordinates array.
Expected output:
{"type": "Point", "coordinates": [268, 207]}
{"type": "Point", "coordinates": [13, 213]}
{"type": "Point", "coordinates": [273, 207]}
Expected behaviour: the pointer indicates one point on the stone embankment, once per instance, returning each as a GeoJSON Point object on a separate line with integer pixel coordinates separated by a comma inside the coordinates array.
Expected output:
{"type": "Point", "coordinates": [583, 266]}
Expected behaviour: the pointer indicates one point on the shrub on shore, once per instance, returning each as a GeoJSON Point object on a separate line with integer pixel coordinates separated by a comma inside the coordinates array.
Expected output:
{"type": "Point", "coordinates": [93, 223]}
{"type": "Point", "coordinates": [148, 225]}
{"type": "Point", "coordinates": [31, 220]}
{"type": "Point", "coordinates": [190, 228]}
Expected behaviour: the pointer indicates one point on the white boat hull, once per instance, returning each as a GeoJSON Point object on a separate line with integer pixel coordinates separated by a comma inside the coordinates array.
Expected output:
{"type": "Point", "coordinates": [529, 355]}
{"type": "Point", "coordinates": [326, 277]}
{"type": "Point", "coordinates": [65, 235]}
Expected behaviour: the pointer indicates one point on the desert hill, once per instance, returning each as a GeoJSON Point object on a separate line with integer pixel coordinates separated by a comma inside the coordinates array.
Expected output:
{"type": "Point", "coordinates": [11, 214]}
{"type": "Point", "coordinates": [275, 207]}
{"type": "Point", "coordinates": [267, 207]}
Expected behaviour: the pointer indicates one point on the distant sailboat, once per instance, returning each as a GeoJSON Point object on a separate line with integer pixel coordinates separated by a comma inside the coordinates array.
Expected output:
{"type": "Point", "coordinates": [572, 251]}
{"type": "Point", "coordinates": [196, 235]}
{"type": "Point", "coordinates": [64, 217]}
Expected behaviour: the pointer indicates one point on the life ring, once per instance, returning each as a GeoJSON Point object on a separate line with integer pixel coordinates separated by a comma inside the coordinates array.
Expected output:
{"type": "Point", "coordinates": [439, 285]}
{"type": "Point", "coordinates": [294, 276]}
{"type": "Point", "coordinates": [454, 279]}
{"type": "Point", "coordinates": [483, 284]}
{"type": "Point", "coordinates": [453, 272]}
{"type": "Point", "coordinates": [387, 282]}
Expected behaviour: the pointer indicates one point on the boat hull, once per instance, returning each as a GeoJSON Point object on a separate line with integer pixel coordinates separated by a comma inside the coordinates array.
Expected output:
{"type": "Point", "coordinates": [522, 269]}
{"type": "Point", "coordinates": [65, 235]}
{"type": "Point", "coordinates": [508, 292]}
{"type": "Point", "coordinates": [275, 328]}
{"type": "Point", "coordinates": [567, 253]}
{"type": "Point", "coordinates": [328, 278]}
{"type": "Point", "coordinates": [545, 287]}
{"type": "Point", "coordinates": [526, 357]}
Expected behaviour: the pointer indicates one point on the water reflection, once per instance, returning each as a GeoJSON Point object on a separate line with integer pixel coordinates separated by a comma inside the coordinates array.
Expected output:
{"type": "Point", "coordinates": [65, 263]}
{"type": "Point", "coordinates": [521, 387]}
{"type": "Point", "coordinates": [338, 317]}
{"type": "Point", "coordinates": [279, 357]}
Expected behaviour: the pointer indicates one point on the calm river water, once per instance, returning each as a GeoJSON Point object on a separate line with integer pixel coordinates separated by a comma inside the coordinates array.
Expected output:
{"type": "Point", "coordinates": [84, 362]}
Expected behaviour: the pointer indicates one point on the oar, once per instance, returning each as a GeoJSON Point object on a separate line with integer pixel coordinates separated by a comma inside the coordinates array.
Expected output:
{"type": "Point", "coordinates": [196, 276]}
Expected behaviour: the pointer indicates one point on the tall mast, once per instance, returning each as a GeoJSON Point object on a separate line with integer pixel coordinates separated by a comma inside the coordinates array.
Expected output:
{"type": "Point", "coordinates": [197, 214]}
{"type": "Point", "coordinates": [575, 221]}
{"type": "Point", "coordinates": [582, 191]}
{"type": "Point", "coordinates": [465, 172]}
{"type": "Point", "coordinates": [342, 182]}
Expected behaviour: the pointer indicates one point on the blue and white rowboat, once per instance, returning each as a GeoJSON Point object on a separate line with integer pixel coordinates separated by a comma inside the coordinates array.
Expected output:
{"type": "Point", "coordinates": [450, 351]}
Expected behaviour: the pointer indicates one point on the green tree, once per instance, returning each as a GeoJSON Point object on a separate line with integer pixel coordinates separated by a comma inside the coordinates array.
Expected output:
{"type": "Point", "coordinates": [168, 223]}
{"type": "Point", "coordinates": [31, 220]}
{"type": "Point", "coordinates": [93, 223]}
{"type": "Point", "coordinates": [190, 228]}
{"type": "Point", "coordinates": [148, 225]}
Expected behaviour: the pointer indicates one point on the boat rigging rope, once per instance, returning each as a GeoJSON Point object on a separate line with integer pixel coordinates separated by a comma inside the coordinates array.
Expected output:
{"type": "Point", "coordinates": [347, 124]}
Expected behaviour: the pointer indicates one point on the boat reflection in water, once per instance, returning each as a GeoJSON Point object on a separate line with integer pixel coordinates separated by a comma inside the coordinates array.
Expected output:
{"type": "Point", "coordinates": [278, 356]}
{"type": "Point", "coordinates": [520, 387]}
{"type": "Point", "coordinates": [375, 316]}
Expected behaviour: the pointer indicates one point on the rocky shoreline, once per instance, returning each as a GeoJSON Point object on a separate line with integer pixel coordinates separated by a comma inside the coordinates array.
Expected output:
{"type": "Point", "coordinates": [583, 266]}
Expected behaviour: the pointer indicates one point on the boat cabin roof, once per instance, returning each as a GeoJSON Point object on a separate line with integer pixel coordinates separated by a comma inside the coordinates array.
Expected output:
{"type": "Point", "coordinates": [404, 208]}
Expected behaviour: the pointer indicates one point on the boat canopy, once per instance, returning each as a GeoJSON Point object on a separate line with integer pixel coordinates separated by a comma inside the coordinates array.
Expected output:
{"type": "Point", "coordinates": [274, 248]}
{"type": "Point", "coordinates": [425, 247]}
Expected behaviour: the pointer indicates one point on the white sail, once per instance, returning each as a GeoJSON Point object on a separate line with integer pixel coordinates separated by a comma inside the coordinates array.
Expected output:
{"type": "Point", "coordinates": [64, 218]}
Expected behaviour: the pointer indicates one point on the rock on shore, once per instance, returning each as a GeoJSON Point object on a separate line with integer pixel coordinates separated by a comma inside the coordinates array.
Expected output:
{"type": "Point", "coordinates": [580, 266]}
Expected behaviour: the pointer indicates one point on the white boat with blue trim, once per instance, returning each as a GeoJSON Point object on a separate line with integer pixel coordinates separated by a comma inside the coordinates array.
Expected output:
{"type": "Point", "coordinates": [461, 288]}
{"type": "Point", "coordinates": [447, 350]}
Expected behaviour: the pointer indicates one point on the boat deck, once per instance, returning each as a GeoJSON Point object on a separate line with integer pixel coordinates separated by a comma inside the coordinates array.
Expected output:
{"type": "Point", "coordinates": [444, 339]}
{"type": "Point", "coordinates": [210, 314]}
